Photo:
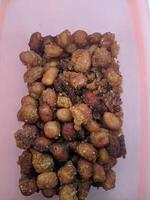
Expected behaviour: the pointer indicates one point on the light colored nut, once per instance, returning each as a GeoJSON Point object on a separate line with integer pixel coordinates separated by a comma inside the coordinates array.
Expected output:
{"type": "Point", "coordinates": [30, 58]}
{"type": "Point", "coordinates": [68, 192]}
{"type": "Point", "coordinates": [49, 76]}
{"type": "Point", "coordinates": [64, 102]}
{"type": "Point", "coordinates": [81, 60]}
{"type": "Point", "coordinates": [64, 114]}
{"type": "Point", "coordinates": [63, 39]}
{"type": "Point", "coordinates": [47, 180]}
{"type": "Point", "coordinates": [80, 37]}
{"type": "Point", "coordinates": [100, 138]}
{"type": "Point", "coordinates": [52, 51]}
{"type": "Point", "coordinates": [103, 156]}
{"type": "Point", "coordinates": [112, 121]}
{"type": "Point", "coordinates": [93, 126]}
{"type": "Point", "coordinates": [52, 129]}
{"type": "Point", "coordinates": [49, 96]}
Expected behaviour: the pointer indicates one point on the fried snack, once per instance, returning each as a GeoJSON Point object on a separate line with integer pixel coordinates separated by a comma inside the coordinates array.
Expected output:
{"type": "Point", "coordinates": [72, 134]}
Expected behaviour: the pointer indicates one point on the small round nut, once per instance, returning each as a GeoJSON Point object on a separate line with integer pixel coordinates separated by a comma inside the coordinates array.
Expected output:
{"type": "Point", "coordinates": [49, 96]}
{"type": "Point", "coordinates": [98, 173]}
{"type": "Point", "coordinates": [103, 156]}
{"type": "Point", "coordinates": [81, 60]}
{"type": "Point", "coordinates": [49, 76]}
{"type": "Point", "coordinates": [66, 174]}
{"type": "Point", "coordinates": [42, 144]}
{"type": "Point", "coordinates": [33, 74]}
{"type": "Point", "coordinates": [87, 151]}
{"type": "Point", "coordinates": [26, 100]}
{"type": "Point", "coordinates": [30, 58]}
{"type": "Point", "coordinates": [35, 89]}
{"type": "Point", "coordinates": [80, 37]}
{"type": "Point", "coordinates": [47, 180]}
{"type": "Point", "coordinates": [68, 192]}
{"type": "Point", "coordinates": [64, 115]}
{"type": "Point", "coordinates": [94, 38]}
{"type": "Point", "coordinates": [48, 193]}
{"type": "Point", "coordinates": [112, 121]}
{"type": "Point", "coordinates": [85, 169]}
{"type": "Point", "coordinates": [110, 180]}
{"type": "Point", "coordinates": [68, 131]}
{"type": "Point", "coordinates": [28, 113]}
{"type": "Point", "coordinates": [64, 38]}
{"type": "Point", "coordinates": [35, 41]}
{"type": "Point", "coordinates": [59, 151]}
{"type": "Point", "coordinates": [92, 126]}
{"type": "Point", "coordinates": [52, 51]}
{"type": "Point", "coordinates": [100, 138]}
{"type": "Point", "coordinates": [45, 113]}
{"type": "Point", "coordinates": [52, 129]}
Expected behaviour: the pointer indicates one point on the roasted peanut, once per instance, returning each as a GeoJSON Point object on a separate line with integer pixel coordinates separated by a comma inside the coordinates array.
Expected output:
{"type": "Point", "coordinates": [68, 192]}
{"type": "Point", "coordinates": [110, 180]}
{"type": "Point", "coordinates": [98, 173]}
{"type": "Point", "coordinates": [28, 100]}
{"type": "Point", "coordinates": [64, 38]}
{"type": "Point", "coordinates": [111, 121]}
{"type": "Point", "coordinates": [52, 129]}
{"type": "Point", "coordinates": [33, 74]}
{"type": "Point", "coordinates": [80, 37]}
{"type": "Point", "coordinates": [64, 102]}
{"type": "Point", "coordinates": [45, 113]}
{"type": "Point", "coordinates": [68, 131]}
{"type": "Point", "coordinates": [49, 76]}
{"type": "Point", "coordinates": [49, 96]}
{"type": "Point", "coordinates": [85, 169]}
{"type": "Point", "coordinates": [35, 42]}
{"type": "Point", "coordinates": [92, 126]}
{"type": "Point", "coordinates": [59, 151]}
{"type": "Point", "coordinates": [52, 51]}
{"type": "Point", "coordinates": [100, 138]}
{"type": "Point", "coordinates": [30, 58]}
{"type": "Point", "coordinates": [35, 89]}
{"type": "Point", "coordinates": [64, 115]}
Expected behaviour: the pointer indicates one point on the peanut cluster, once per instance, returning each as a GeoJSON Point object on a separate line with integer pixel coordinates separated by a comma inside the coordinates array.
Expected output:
{"type": "Point", "coordinates": [72, 115]}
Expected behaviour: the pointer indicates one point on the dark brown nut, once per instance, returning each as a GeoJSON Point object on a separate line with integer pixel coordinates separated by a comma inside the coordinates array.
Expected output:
{"type": "Point", "coordinates": [35, 41]}
{"type": "Point", "coordinates": [91, 99]}
{"type": "Point", "coordinates": [103, 156]}
{"type": "Point", "coordinates": [94, 38]}
{"type": "Point", "coordinates": [42, 144]}
{"type": "Point", "coordinates": [83, 189]}
{"type": "Point", "coordinates": [93, 126]}
{"type": "Point", "coordinates": [115, 49]}
{"type": "Point", "coordinates": [64, 102]}
{"type": "Point", "coordinates": [110, 180]}
{"type": "Point", "coordinates": [112, 162]}
{"type": "Point", "coordinates": [25, 162]}
{"type": "Point", "coordinates": [49, 96]}
{"type": "Point", "coordinates": [101, 57]}
{"type": "Point", "coordinates": [30, 58]}
{"type": "Point", "coordinates": [87, 151]}
{"type": "Point", "coordinates": [47, 180]}
{"type": "Point", "coordinates": [68, 192]}
{"type": "Point", "coordinates": [71, 48]}
{"type": "Point", "coordinates": [64, 38]}
{"type": "Point", "coordinates": [28, 113]}
{"type": "Point", "coordinates": [81, 114]}
{"type": "Point", "coordinates": [98, 173]}
{"type": "Point", "coordinates": [112, 121]}
{"type": "Point", "coordinates": [33, 74]}
{"type": "Point", "coordinates": [27, 186]}
{"type": "Point", "coordinates": [80, 37]}
{"type": "Point", "coordinates": [48, 40]}
{"type": "Point", "coordinates": [64, 115]}
{"type": "Point", "coordinates": [76, 80]}
{"type": "Point", "coordinates": [25, 137]}
{"type": "Point", "coordinates": [52, 51]}
{"type": "Point", "coordinates": [107, 40]}
{"type": "Point", "coordinates": [35, 89]}
{"type": "Point", "coordinates": [45, 112]}
{"type": "Point", "coordinates": [73, 145]}
{"type": "Point", "coordinates": [42, 162]}
{"type": "Point", "coordinates": [48, 193]}
{"type": "Point", "coordinates": [100, 139]}
{"type": "Point", "coordinates": [81, 60]}
{"type": "Point", "coordinates": [26, 100]}
{"type": "Point", "coordinates": [66, 174]}
{"type": "Point", "coordinates": [59, 151]}
{"type": "Point", "coordinates": [114, 148]}
{"type": "Point", "coordinates": [68, 131]}
{"type": "Point", "coordinates": [92, 48]}
{"type": "Point", "coordinates": [85, 169]}
{"type": "Point", "coordinates": [113, 77]}
{"type": "Point", "coordinates": [52, 129]}
{"type": "Point", "coordinates": [49, 76]}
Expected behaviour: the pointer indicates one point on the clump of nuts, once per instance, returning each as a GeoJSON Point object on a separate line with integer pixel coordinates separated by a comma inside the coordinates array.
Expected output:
{"type": "Point", "coordinates": [72, 133]}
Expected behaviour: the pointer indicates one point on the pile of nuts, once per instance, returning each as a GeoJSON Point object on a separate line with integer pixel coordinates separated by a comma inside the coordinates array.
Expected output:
{"type": "Point", "coordinates": [72, 115]}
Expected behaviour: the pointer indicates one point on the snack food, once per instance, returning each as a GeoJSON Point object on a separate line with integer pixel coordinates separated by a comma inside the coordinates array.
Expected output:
{"type": "Point", "coordinates": [72, 133]}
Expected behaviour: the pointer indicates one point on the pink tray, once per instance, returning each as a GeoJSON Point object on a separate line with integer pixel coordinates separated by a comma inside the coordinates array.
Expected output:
{"type": "Point", "coordinates": [129, 20]}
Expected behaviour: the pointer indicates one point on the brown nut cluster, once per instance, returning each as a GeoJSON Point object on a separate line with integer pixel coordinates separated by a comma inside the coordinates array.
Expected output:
{"type": "Point", "coordinates": [72, 133]}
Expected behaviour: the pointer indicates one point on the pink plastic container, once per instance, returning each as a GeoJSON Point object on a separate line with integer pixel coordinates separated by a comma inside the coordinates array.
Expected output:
{"type": "Point", "coordinates": [130, 21]}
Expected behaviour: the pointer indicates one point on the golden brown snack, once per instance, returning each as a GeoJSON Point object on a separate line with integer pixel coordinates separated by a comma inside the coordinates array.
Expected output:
{"type": "Point", "coordinates": [47, 180]}
{"type": "Point", "coordinates": [85, 169]}
{"type": "Point", "coordinates": [66, 174]}
{"type": "Point", "coordinates": [87, 151]}
{"type": "Point", "coordinates": [68, 192]}
{"type": "Point", "coordinates": [72, 134]}
{"type": "Point", "coordinates": [52, 129]}
{"type": "Point", "coordinates": [42, 162]}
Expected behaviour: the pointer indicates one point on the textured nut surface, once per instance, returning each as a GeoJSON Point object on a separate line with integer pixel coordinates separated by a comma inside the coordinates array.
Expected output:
{"type": "Point", "coordinates": [111, 121]}
{"type": "Point", "coordinates": [52, 129]}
